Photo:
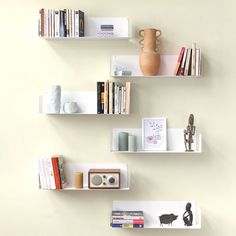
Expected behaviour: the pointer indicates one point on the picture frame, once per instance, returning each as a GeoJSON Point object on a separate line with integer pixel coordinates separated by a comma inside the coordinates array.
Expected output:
{"type": "Point", "coordinates": [154, 134]}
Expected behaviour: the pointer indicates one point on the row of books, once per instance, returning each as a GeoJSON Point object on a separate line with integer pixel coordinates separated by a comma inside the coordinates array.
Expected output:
{"type": "Point", "coordinates": [50, 172]}
{"type": "Point", "coordinates": [189, 62]}
{"type": "Point", "coordinates": [127, 219]}
{"type": "Point", "coordinates": [61, 23]}
{"type": "Point", "coordinates": [113, 98]}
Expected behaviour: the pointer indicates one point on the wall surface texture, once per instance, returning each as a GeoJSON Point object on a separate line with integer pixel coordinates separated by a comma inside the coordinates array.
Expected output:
{"type": "Point", "coordinates": [30, 65]}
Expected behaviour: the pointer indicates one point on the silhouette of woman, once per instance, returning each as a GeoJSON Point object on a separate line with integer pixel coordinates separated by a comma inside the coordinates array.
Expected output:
{"type": "Point", "coordinates": [188, 215]}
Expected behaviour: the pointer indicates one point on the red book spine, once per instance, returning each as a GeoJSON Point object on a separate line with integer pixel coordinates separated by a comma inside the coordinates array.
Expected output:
{"type": "Point", "coordinates": [177, 67]}
{"type": "Point", "coordinates": [141, 222]}
{"type": "Point", "coordinates": [56, 172]}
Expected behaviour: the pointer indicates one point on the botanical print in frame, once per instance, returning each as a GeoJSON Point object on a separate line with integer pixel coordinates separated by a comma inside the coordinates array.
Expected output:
{"type": "Point", "coordinates": [154, 134]}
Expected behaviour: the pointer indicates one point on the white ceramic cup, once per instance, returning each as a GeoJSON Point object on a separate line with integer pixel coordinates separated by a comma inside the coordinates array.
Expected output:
{"type": "Point", "coordinates": [70, 107]}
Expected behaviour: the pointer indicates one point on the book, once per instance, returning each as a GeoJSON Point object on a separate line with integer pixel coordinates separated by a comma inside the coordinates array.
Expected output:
{"type": "Point", "coordinates": [42, 18]}
{"type": "Point", "coordinates": [61, 171]}
{"type": "Point", "coordinates": [62, 24]}
{"type": "Point", "coordinates": [181, 72]}
{"type": "Point", "coordinates": [81, 24]}
{"type": "Point", "coordinates": [73, 23]}
{"type": "Point", "coordinates": [100, 97]}
{"type": "Point", "coordinates": [106, 95]}
{"type": "Point", "coordinates": [127, 221]}
{"type": "Point", "coordinates": [127, 213]}
{"type": "Point", "coordinates": [127, 98]}
{"type": "Point", "coordinates": [116, 99]}
{"type": "Point", "coordinates": [127, 226]}
{"type": "Point", "coordinates": [198, 61]}
{"type": "Point", "coordinates": [50, 173]}
{"type": "Point", "coordinates": [187, 64]}
{"type": "Point", "coordinates": [56, 172]}
{"type": "Point", "coordinates": [57, 24]}
{"type": "Point", "coordinates": [111, 95]}
{"type": "Point", "coordinates": [193, 65]}
{"type": "Point", "coordinates": [76, 23]}
{"type": "Point", "coordinates": [67, 23]}
{"type": "Point", "coordinates": [177, 67]}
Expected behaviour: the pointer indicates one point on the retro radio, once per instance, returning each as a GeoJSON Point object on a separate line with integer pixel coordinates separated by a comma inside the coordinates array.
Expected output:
{"type": "Point", "coordinates": [104, 178]}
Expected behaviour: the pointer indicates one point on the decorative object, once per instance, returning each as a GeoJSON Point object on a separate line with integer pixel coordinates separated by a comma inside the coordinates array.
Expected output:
{"type": "Point", "coordinates": [154, 134]}
{"type": "Point", "coordinates": [132, 143]}
{"type": "Point", "coordinates": [189, 132]}
{"type": "Point", "coordinates": [149, 58]}
{"type": "Point", "coordinates": [54, 102]}
{"type": "Point", "coordinates": [167, 219]}
{"type": "Point", "coordinates": [104, 178]}
{"type": "Point", "coordinates": [188, 215]}
{"type": "Point", "coordinates": [70, 107]}
{"type": "Point", "coordinates": [123, 141]}
{"type": "Point", "coordinates": [78, 179]}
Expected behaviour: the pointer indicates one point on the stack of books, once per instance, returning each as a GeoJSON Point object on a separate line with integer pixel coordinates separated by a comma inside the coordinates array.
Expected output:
{"type": "Point", "coordinates": [127, 219]}
{"type": "Point", "coordinates": [189, 62]}
{"type": "Point", "coordinates": [113, 98]}
{"type": "Point", "coordinates": [61, 23]}
{"type": "Point", "coordinates": [51, 173]}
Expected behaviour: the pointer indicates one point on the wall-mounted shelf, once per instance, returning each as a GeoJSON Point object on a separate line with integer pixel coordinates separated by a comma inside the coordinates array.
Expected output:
{"type": "Point", "coordinates": [87, 102]}
{"type": "Point", "coordinates": [71, 168]}
{"type": "Point", "coordinates": [153, 209]}
{"type": "Point", "coordinates": [92, 26]}
{"type": "Point", "coordinates": [175, 142]}
{"type": "Point", "coordinates": [131, 63]}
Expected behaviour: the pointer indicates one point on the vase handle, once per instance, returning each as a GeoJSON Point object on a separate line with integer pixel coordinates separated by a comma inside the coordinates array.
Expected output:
{"type": "Point", "coordinates": [141, 33]}
{"type": "Point", "coordinates": [158, 33]}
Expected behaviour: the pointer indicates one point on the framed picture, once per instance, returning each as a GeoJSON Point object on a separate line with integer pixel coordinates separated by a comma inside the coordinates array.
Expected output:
{"type": "Point", "coordinates": [154, 134]}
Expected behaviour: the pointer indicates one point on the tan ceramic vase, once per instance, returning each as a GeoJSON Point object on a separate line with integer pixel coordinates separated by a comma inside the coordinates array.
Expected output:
{"type": "Point", "coordinates": [149, 58]}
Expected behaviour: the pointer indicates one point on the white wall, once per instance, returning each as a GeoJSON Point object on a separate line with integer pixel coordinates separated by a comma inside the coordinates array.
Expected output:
{"type": "Point", "coordinates": [30, 65]}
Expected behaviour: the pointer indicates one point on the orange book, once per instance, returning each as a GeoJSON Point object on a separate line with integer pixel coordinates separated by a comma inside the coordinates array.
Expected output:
{"type": "Point", "coordinates": [56, 172]}
{"type": "Point", "coordinates": [177, 67]}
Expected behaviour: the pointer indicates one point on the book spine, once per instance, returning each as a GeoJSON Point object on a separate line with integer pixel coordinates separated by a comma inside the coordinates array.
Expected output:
{"type": "Point", "coordinates": [183, 62]}
{"type": "Point", "coordinates": [99, 101]}
{"type": "Point", "coordinates": [127, 98]}
{"type": "Point", "coordinates": [111, 98]}
{"type": "Point", "coordinates": [49, 23]}
{"type": "Point", "coordinates": [193, 68]}
{"type": "Point", "coordinates": [53, 23]}
{"type": "Point", "coordinates": [123, 93]}
{"type": "Point", "coordinates": [76, 24]}
{"type": "Point", "coordinates": [186, 69]}
{"type": "Point", "coordinates": [39, 26]}
{"type": "Point", "coordinates": [67, 23]}
{"type": "Point", "coordinates": [46, 174]}
{"type": "Point", "coordinates": [61, 171]}
{"type": "Point", "coordinates": [106, 90]}
{"type": "Point", "coordinates": [81, 24]}
{"type": "Point", "coordinates": [45, 22]}
{"type": "Point", "coordinates": [56, 172]}
{"type": "Point", "coordinates": [126, 221]}
{"type": "Point", "coordinates": [127, 226]}
{"type": "Point", "coordinates": [50, 173]}
{"type": "Point", "coordinates": [62, 30]}
{"type": "Point", "coordinates": [70, 22]}
{"type": "Point", "coordinates": [177, 67]}
{"type": "Point", "coordinates": [42, 17]}
{"type": "Point", "coordinates": [73, 23]}
{"type": "Point", "coordinates": [198, 52]}
{"type": "Point", "coordinates": [120, 99]}
{"type": "Point", "coordinates": [41, 175]}
{"type": "Point", "coordinates": [116, 99]}
{"type": "Point", "coordinates": [102, 97]}
{"type": "Point", "coordinates": [57, 24]}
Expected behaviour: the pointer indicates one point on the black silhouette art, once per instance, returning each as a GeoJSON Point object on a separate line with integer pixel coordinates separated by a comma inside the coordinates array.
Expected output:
{"type": "Point", "coordinates": [188, 215]}
{"type": "Point", "coordinates": [167, 219]}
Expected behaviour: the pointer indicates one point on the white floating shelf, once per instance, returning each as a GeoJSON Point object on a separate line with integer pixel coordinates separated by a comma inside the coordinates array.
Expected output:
{"type": "Point", "coordinates": [131, 63]}
{"type": "Point", "coordinates": [175, 142]}
{"type": "Point", "coordinates": [153, 209]}
{"type": "Point", "coordinates": [92, 26]}
{"type": "Point", "coordinates": [71, 168]}
{"type": "Point", "coordinates": [86, 100]}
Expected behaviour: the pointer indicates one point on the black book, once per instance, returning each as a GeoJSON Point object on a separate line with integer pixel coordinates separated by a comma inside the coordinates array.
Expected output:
{"type": "Point", "coordinates": [100, 97]}
{"type": "Point", "coordinates": [113, 98]}
{"type": "Point", "coordinates": [81, 24]}
{"type": "Point", "coordinates": [65, 23]}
